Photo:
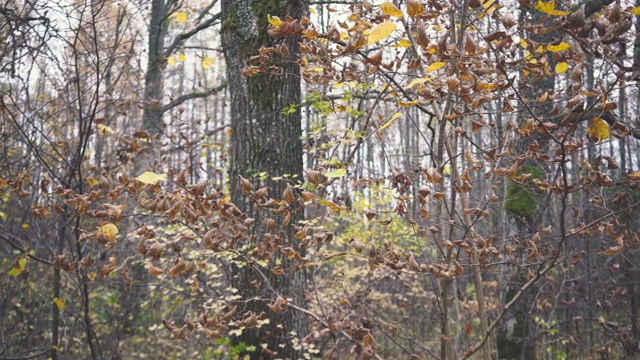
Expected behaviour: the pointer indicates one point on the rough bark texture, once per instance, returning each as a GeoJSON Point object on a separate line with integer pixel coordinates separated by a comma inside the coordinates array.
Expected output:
{"type": "Point", "coordinates": [264, 140]}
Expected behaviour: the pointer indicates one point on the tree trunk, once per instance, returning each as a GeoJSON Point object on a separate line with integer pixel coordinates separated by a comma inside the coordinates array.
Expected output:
{"type": "Point", "coordinates": [264, 141]}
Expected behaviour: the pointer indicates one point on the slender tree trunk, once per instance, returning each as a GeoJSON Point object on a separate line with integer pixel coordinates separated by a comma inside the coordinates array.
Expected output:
{"type": "Point", "coordinates": [154, 80]}
{"type": "Point", "coordinates": [264, 140]}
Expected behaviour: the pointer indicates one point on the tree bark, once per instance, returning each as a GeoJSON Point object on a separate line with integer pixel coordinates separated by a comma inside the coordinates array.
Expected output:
{"type": "Point", "coordinates": [264, 141]}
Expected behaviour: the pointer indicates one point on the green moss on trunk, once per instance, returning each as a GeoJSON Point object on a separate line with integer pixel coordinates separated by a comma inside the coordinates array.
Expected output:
{"type": "Point", "coordinates": [521, 200]}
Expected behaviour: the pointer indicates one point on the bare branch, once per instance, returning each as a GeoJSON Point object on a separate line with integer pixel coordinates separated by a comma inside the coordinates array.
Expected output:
{"type": "Point", "coordinates": [193, 95]}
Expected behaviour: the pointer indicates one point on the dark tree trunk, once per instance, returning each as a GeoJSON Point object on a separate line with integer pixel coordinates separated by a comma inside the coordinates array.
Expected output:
{"type": "Point", "coordinates": [154, 82]}
{"type": "Point", "coordinates": [264, 140]}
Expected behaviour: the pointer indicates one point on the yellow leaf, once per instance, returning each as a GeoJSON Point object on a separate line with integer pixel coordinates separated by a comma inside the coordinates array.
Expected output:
{"type": "Point", "coordinates": [523, 43]}
{"type": "Point", "coordinates": [599, 129]}
{"type": "Point", "coordinates": [446, 169]}
{"type": "Point", "coordinates": [549, 8]}
{"type": "Point", "coordinates": [403, 43]}
{"type": "Point", "coordinates": [390, 9]}
{"type": "Point", "coordinates": [181, 17]}
{"type": "Point", "coordinates": [105, 130]}
{"type": "Point", "coordinates": [381, 32]}
{"type": "Point", "coordinates": [329, 204]}
{"type": "Point", "coordinates": [110, 231]}
{"type": "Point", "coordinates": [488, 3]}
{"type": "Point", "coordinates": [486, 86]}
{"type": "Point", "coordinates": [274, 20]}
{"type": "Point", "coordinates": [560, 47]}
{"type": "Point", "coordinates": [390, 121]}
{"type": "Point", "coordinates": [59, 303]}
{"type": "Point", "coordinates": [93, 181]}
{"type": "Point", "coordinates": [149, 177]}
{"type": "Point", "coordinates": [436, 65]}
{"type": "Point", "coordinates": [171, 60]}
{"type": "Point", "coordinates": [561, 67]}
{"type": "Point", "coordinates": [207, 62]}
{"type": "Point", "coordinates": [417, 81]}
{"type": "Point", "coordinates": [182, 58]}
{"type": "Point", "coordinates": [312, 10]}
{"type": "Point", "coordinates": [14, 272]}
{"type": "Point", "coordinates": [636, 10]}
{"type": "Point", "coordinates": [22, 262]}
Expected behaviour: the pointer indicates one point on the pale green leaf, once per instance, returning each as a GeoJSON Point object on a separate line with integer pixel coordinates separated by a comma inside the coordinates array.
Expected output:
{"type": "Point", "coordinates": [336, 173]}
{"type": "Point", "coordinates": [149, 177]}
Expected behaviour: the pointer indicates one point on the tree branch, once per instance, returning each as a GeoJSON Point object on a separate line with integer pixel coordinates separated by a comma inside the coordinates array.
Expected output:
{"type": "Point", "coordinates": [6, 237]}
{"type": "Point", "coordinates": [194, 95]}
{"type": "Point", "coordinates": [184, 36]}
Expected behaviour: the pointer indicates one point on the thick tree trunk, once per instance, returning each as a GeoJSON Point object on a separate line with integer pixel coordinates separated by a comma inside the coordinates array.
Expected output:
{"type": "Point", "coordinates": [264, 140]}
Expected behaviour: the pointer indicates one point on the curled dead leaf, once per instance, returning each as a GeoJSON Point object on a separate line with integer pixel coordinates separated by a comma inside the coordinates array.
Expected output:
{"type": "Point", "coordinates": [287, 194]}
{"type": "Point", "coordinates": [615, 249]}
{"type": "Point", "coordinates": [357, 245]}
{"type": "Point", "coordinates": [155, 271]}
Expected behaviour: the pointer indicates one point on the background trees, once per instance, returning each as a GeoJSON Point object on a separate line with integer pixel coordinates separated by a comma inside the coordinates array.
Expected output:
{"type": "Point", "coordinates": [470, 182]}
